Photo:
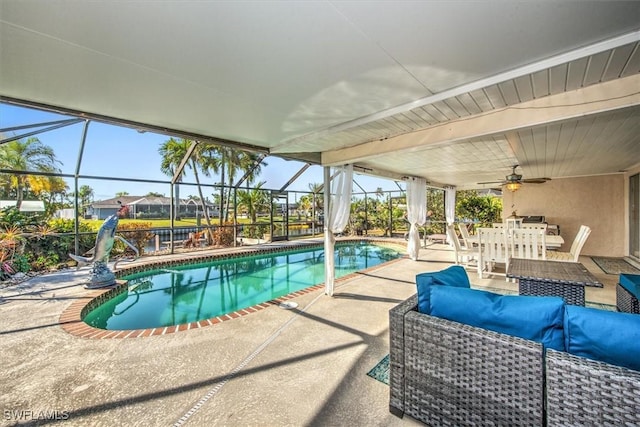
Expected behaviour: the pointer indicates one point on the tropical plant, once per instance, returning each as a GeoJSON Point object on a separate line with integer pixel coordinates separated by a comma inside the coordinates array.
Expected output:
{"type": "Point", "coordinates": [85, 196]}
{"type": "Point", "coordinates": [208, 158]}
{"type": "Point", "coordinates": [136, 233]}
{"type": "Point", "coordinates": [386, 216]}
{"type": "Point", "coordinates": [317, 189]}
{"type": "Point", "coordinates": [49, 244]}
{"type": "Point", "coordinates": [305, 205]}
{"type": "Point", "coordinates": [481, 210]}
{"type": "Point", "coordinates": [26, 156]}
{"type": "Point", "coordinates": [11, 216]}
{"type": "Point", "coordinates": [173, 151]}
{"type": "Point", "coordinates": [11, 242]}
{"type": "Point", "coordinates": [359, 217]}
{"type": "Point", "coordinates": [223, 236]}
{"type": "Point", "coordinates": [230, 163]}
{"type": "Point", "coordinates": [47, 188]}
{"type": "Point", "coordinates": [254, 201]}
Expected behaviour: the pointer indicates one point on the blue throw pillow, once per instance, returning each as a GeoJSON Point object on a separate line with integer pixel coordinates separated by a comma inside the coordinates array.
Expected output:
{"type": "Point", "coordinates": [607, 336]}
{"type": "Point", "coordinates": [455, 276]}
{"type": "Point", "coordinates": [535, 318]}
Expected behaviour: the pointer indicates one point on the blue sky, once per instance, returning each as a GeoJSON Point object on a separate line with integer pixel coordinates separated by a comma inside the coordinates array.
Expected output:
{"type": "Point", "coordinates": [126, 153]}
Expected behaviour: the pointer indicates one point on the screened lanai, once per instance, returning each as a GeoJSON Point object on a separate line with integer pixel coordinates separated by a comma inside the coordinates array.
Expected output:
{"type": "Point", "coordinates": [455, 93]}
{"type": "Point", "coordinates": [451, 94]}
{"type": "Point", "coordinates": [110, 169]}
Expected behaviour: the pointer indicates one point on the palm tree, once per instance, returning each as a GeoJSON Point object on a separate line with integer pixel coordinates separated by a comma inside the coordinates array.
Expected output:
{"type": "Point", "coordinates": [230, 163]}
{"type": "Point", "coordinates": [305, 204]}
{"type": "Point", "coordinates": [85, 193]}
{"type": "Point", "coordinates": [317, 191]}
{"type": "Point", "coordinates": [173, 151]}
{"type": "Point", "coordinates": [28, 155]}
{"type": "Point", "coordinates": [254, 201]}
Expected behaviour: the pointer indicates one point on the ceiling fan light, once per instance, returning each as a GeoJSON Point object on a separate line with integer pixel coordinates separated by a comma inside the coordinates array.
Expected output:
{"type": "Point", "coordinates": [513, 186]}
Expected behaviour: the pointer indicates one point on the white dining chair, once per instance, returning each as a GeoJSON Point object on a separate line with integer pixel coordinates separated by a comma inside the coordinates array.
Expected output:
{"type": "Point", "coordinates": [535, 226]}
{"type": "Point", "coordinates": [576, 247]}
{"type": "Point", "coordinates": [464, 256]}
{"type": "Point", "coordinates": [464, 233]}
{"type": "Point", "coordinates": [528, 243]}
{"type": "Point", "coordinates": [512, 223]}
{"type": "Point", "coordinates": [492, 250]}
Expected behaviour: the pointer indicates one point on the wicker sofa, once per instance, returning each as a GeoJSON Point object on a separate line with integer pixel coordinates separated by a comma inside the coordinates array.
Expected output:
{"type": "Point", "coordinates": [444, 372]}
{"type": "Point", "coordinates": [447, 373]}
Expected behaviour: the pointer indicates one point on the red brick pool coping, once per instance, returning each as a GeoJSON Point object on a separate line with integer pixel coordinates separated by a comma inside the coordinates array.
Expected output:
{"type": "Point", "coordinates": [71, 318]}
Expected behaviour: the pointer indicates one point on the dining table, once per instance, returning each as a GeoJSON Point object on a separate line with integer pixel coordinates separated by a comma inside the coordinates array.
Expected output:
{"type": "Point", "coordinates": [552, 241]}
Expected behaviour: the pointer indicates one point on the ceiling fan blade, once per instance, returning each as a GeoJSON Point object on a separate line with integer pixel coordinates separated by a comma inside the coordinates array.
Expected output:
{"type": "Point", "coordinates": [536, 180]}
{"type": "Point", "coordinates": [491, 182]}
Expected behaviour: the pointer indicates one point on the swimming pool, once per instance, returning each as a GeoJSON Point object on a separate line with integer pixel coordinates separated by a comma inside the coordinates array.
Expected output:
{"type": "Point", "coordinates": [183, 294]}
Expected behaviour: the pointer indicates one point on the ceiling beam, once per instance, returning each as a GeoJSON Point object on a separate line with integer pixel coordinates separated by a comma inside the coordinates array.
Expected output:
{"type": "Point", "coordinates": [548, 63]}
{"type": "Point", "coordinates": [608, 96]}
{"type": "Point", "coordinates": [383, 173]}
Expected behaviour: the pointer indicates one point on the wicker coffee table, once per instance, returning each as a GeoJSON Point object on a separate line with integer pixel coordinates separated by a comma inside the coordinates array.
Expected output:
{"type": "Point", "coordinates": [563, 279]}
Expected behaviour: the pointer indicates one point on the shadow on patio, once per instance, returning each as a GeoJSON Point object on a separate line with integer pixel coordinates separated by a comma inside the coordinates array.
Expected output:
{"type": "Point", "coordinates": [304, 366]}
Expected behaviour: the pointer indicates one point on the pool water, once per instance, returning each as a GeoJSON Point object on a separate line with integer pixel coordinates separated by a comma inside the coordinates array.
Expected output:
{"type": "Point", "coordinates": [184, 294]}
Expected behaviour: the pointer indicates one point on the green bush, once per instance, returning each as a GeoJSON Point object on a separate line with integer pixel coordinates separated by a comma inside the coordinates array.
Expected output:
{"type": "Point", "coordinates": [223, 236]}
{"type": "Point", "coordinates": [136, 233]}
{"type": "Point", "coordinates": [20, 263]}
{"type": "Point", "coordinates": [49, 245]}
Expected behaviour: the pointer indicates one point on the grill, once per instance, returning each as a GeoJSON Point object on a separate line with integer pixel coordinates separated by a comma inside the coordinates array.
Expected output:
{"type": "Point", "coordinates": [538, 219]}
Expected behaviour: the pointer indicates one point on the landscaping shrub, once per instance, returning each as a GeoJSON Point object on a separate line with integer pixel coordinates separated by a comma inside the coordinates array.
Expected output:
{"type": "Point", "coordinates": [223, 236]}
{"type": "Point", "coordinates": [136, 233]}
{"type": "Point", "coordinates": [49, 245]}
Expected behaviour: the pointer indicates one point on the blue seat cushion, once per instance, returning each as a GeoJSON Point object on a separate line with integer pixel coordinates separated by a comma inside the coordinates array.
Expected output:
{"type": "Point", "coordinates": [452, 276]}
{"type": "Point", "coordinates": [535, 318]}
{"type": "Point", "coordinates": [631, 282]}
{"type": "Point", "coordinates": [607, 336]}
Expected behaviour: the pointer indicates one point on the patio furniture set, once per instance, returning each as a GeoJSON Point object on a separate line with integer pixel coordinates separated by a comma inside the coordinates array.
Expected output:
{"type": "Point", "coordinates": [503, 241]}
{"type": "Point", "coordinates": [512, 360]}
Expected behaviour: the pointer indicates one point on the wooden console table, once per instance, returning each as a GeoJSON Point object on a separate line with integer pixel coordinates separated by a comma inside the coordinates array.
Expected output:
{"type": "Point", "coordinates": [563, 279]}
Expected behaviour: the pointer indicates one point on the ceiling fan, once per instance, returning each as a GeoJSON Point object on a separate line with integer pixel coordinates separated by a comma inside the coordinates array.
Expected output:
{"type": "Point", "coordinates": [514, 180]}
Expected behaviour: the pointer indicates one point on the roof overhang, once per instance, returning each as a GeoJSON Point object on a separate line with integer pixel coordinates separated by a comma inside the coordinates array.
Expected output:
{"type": "Point", "coordinates": [455, 92]}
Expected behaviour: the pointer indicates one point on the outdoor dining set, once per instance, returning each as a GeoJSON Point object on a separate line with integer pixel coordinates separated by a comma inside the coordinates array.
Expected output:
{"type": "Point", "coordinates": [529, 254]}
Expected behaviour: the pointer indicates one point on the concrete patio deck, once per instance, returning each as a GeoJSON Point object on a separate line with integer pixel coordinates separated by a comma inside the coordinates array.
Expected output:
{"type": "Point", "coordinates": [275, 367]}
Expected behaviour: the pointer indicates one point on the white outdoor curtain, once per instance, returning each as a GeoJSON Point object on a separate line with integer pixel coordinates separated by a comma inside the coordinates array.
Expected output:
{"type": "Point", "coordinates": [336, 219]}
{"type": "Point", "coordinates": [416, 213]}
{"type": "Point", "coordinates": [450, 206]}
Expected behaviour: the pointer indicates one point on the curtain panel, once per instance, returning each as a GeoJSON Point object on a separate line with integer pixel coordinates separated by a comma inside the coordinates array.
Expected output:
{"type": "Point", "coordinates": [336, 219]}
{"type": "Point", "coordinates": [416, 213]}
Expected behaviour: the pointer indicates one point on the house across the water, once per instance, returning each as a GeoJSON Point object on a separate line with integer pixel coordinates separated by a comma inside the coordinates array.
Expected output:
{"type": "Point", "coordinates": [143, 207]}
